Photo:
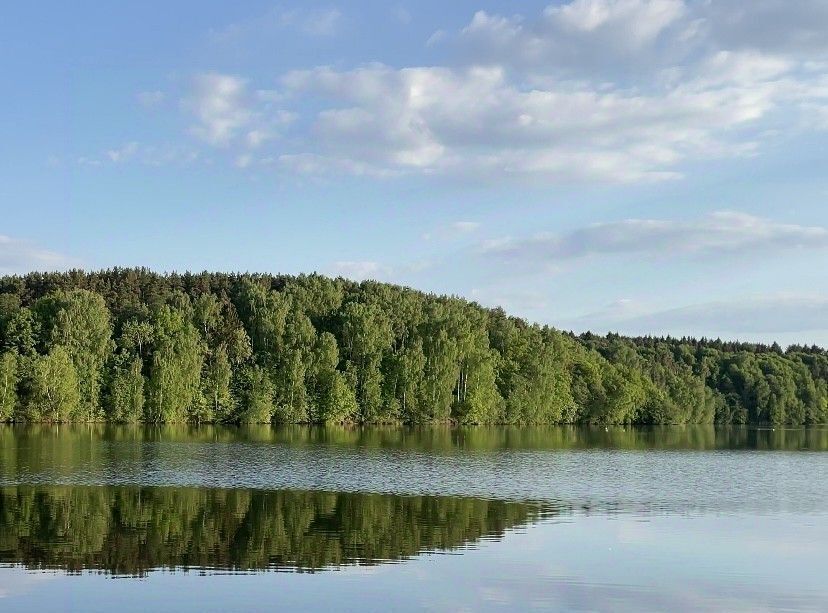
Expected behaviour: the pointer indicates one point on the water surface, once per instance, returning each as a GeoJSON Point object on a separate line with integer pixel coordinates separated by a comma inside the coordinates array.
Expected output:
{"type": "Point", "coordinates": [211, 518]}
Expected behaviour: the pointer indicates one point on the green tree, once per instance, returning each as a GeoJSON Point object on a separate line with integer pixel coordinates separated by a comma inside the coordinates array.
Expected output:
{"type": "Point", "coordinates": [79, 321]}
{"type": "Point", "coordinates": [136, 337]}
{"type": "Point", "coordinates": [54, 393]}
{"type": "Point", "coordinates": [175, 372]}
{"type": "Point", "coordinates": [292, 364]}
{"type": "Point", "coordinates": [126, 392]}
{"type": "Point", "coordinates": [333, 399]}
{"type": "Point", "coordinates": [256, 391]}
{"type": "Point", "coordinates": [21, 332]}
{"type": "Point", "coordinates": [215, 386]}
{"type": "Point", "coordinates": [366, 334]}
{"type": "Point", "coordinates": [8, 384]}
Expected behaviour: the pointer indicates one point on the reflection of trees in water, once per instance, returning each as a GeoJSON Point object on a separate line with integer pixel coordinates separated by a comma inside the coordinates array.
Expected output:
{"type": "Point", "coordinates": [42, 446]}
{"type": "Point", "coordinates": [130, 530]}
{"type": "Point", "coordinates": [54, 448]}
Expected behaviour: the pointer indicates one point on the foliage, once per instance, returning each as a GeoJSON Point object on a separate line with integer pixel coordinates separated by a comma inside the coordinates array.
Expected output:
{"type": "Point", "coordinates": [53, 389]}
{"type": "Point", "coordinates": [79, 321]}
{"type": "Point", "coordinates": [126, 392]}
{"type": "Point", "coordinates": [132, 345]}
{"type": "Point", "coordinates": [8, 384]}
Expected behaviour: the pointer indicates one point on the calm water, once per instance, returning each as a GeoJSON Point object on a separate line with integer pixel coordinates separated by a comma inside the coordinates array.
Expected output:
{"type": "Point", "coordinates": [180, 518]}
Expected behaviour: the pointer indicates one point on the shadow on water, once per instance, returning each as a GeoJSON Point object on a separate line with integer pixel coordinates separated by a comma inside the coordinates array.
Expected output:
{"type": "Point", "coordinates": [133, 530]}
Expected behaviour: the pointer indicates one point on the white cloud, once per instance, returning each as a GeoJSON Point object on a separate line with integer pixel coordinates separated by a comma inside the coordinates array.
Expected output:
{"type": "Point", "coordinates": [227, 112]}
{"type": "Point", "coordinates": [617, 38]}
{"type": "Point", "coordinates": [475, 121]}
{"type": "Point", "coordinates": [721, 232]}
{"type": "Point", "coordinates": [219, 102]}
{"type": "Point", "coordinates": [269, 125]}
{"type": "Point", "coordinates": [590, 90]}
{"type": "Point", "coordinates": [359, 270]}
{"type": "Point", "coordinates": [611, 36]}
{"type": "Point", "coordinates": [642, 20]}
{"type": "Point", "coordinates": [19, 256]}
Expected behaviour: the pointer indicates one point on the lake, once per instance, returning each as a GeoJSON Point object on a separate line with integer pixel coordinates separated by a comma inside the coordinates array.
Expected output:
{"type": "Point", "coordinates": [96, 517]}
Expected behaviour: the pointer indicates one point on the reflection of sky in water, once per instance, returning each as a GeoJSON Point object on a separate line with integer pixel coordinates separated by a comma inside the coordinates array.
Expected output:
{"type": "Point", "coordinates": [622, 563]}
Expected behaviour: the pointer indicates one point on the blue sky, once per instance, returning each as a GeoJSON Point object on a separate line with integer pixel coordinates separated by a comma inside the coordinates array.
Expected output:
{"type": "Point", "coordinates": [629, 165]}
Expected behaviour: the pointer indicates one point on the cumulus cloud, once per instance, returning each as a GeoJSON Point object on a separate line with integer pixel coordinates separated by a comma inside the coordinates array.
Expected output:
{"type": "Point", "coordinates": [589, 90]}
{"type": "Point", "coordinates": [642, 20]}
{"type": "Point", "coordinates": [219, 104]}
{"type": "Point", "coordinates": [619, 38]}
{"type": "Point", "coordinates": [475, 121]}
{"type": "Point", "coordinates": [718, 233]}
{"type": "Point", "coordinates": [482, 121]}
{"type": "Point", "coordinates": [227, 111]}
{"type": "Point", "coordinates": [583, 34]}
{"type": "Point", "coordinates": [19, 256]}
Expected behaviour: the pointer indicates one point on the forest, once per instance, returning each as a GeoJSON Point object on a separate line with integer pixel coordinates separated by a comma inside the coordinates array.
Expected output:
{"type": "Point", "coordinates": [131, 345]}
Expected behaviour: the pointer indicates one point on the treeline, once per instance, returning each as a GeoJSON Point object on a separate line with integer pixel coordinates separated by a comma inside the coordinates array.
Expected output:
{"type": "Point", "coordinates": [133, 530]}
{"type": "Point", "coordinates": [129, 345]}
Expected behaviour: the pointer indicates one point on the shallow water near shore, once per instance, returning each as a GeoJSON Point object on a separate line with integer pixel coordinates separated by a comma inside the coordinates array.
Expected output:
{"type": "Point", "coordinates": [212, 518]}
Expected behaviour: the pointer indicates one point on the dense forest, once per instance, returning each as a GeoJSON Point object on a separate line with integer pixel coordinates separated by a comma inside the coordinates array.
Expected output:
{"type": "Point", "coordinates": [130, 345]}
{"type": "Point", "coordinates": [133, 530]}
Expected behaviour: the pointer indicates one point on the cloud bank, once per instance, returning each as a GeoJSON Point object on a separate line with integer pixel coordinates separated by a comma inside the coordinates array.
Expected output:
{"type": "Point", "coordinates": [723, 232]}
{"type": "Point", "coordinates": [591, 90]}
{"type": "Point", "coordinates": [759, 315]}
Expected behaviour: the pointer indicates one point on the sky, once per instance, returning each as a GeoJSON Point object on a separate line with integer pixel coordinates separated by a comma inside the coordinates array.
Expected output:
{"type": "Point", "coordinates": [637, 166]}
